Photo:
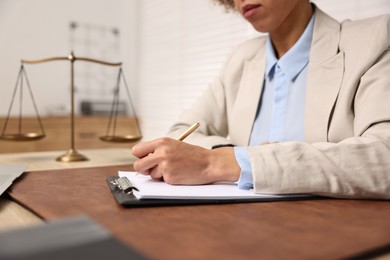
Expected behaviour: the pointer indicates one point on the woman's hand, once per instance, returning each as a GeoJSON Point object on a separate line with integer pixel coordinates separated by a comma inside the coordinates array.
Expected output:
{"type": "Point", "coordinates": [178, 162]}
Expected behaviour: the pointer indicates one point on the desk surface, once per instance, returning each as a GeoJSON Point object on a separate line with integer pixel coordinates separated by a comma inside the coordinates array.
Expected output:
{"type": "Point", "coordinates": [13, 215]}
{"type": "Point", "coordinates": [303, 229]}
{"type": "Point", "coordinates": [311, 229]}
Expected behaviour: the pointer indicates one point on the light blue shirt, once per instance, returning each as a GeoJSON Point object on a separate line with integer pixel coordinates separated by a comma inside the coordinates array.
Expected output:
{"type": "Point", "coordinates": [280, 113]}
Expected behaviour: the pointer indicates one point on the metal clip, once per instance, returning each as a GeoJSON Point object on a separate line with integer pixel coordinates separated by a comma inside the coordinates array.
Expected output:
{"type": "Point", "coordinates": [123, 184]}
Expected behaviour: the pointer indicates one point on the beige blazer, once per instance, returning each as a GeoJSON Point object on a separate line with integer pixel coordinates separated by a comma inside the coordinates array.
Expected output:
{"type": "Point", "coordinates": [346, 152]}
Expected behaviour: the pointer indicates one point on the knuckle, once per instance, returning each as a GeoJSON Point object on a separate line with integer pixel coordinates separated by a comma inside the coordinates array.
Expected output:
{"type": "Point", "coordinates": [168, 178]}
{"type": "Point", "coordinates": [136, 165]}
{"type": "Point", "coordinates": [154, 174]}
{"type": "Point", "coordinates": [169, 174]}
{"type": "Point", "coordinates": [163, 141]}
{"type": "Point", "coordinates": [160, 156]}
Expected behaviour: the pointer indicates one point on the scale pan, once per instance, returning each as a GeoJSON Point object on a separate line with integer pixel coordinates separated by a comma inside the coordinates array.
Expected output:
{"type": "Point", "coordinates": [22, 137]}
{"type": "Point", "coordinates": [121, 138]}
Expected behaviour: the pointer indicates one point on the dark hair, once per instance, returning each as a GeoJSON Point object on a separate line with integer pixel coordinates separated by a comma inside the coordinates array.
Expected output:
{"type": "Point", "coordinates": [228, 4]}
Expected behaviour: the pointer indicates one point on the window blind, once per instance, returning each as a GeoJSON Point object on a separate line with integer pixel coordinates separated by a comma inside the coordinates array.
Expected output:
{"type": "Point", "coordinates": [181, 47]}
{"type": "Point", "coordinates": [182, 44]}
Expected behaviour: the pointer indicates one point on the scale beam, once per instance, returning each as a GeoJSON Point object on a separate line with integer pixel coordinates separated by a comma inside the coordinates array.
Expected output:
{"type": "Point", "coordinates": [72, 58]}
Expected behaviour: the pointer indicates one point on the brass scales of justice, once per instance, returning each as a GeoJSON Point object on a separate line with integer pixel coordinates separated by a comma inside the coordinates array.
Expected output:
{"type": "Point", "coordinates": [72, 155]}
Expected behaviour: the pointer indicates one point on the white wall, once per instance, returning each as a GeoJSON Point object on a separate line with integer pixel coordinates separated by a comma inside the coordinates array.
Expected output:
{"type": "Point", "coordinates": [34, 29]}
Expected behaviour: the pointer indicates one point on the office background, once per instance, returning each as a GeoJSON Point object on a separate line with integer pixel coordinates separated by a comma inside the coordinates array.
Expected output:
{"type": "Point", "coordinates": [171, 50]}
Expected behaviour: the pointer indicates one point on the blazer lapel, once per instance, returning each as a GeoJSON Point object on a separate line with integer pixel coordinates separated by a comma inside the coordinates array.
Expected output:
{"type": "Point", "coordinates": [326, 69]}
{"type": "Point", "coordinates": [248, 97]}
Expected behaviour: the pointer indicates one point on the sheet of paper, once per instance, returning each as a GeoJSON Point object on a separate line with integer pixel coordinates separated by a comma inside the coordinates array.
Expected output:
{"type": "Point", "coordinates": [151, 189]}
{"type": "Point", "coordinates": [8, 173]}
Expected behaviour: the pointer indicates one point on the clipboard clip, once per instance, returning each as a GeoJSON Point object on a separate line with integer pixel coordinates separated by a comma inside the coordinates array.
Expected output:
{"type": "Point", "coordinates": [123, 184]}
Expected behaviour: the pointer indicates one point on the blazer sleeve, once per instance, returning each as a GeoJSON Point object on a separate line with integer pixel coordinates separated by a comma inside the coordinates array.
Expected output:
{"type": "Point", "coordinates": [356, 167]}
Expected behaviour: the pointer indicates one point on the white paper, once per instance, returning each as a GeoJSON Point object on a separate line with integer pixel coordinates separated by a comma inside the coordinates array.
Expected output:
{"type": "Point", "coordinates": [8, 173]}
{"type": "Point", "coordinates": [152, 189]}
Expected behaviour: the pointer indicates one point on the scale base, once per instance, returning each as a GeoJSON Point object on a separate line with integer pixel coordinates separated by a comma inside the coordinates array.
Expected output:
{"type": "Point", "coordinates": [72, 156]}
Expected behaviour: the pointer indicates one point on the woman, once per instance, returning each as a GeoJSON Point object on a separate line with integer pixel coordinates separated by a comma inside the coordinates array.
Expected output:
{"type": "Point", "coordinates": [306, 109]}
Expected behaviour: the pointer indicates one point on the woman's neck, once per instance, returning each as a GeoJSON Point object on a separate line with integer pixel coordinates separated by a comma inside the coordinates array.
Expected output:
{"type": "Point", "coordinates": [286, 35]}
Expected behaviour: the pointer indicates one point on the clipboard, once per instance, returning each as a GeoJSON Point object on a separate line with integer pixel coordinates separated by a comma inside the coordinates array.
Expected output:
{"type": "Point", "coordinates": [121, 189]}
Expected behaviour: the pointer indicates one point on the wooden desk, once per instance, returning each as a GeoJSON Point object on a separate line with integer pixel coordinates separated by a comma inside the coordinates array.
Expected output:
{"type": "Point", "coordinates": [312, 229]}
{"type": "Point", "coordinates": [13, 215]}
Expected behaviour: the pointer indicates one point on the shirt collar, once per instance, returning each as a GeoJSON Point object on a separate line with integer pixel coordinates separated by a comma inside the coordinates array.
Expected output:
{"type": "Point", "coordinates": [295, 60]}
